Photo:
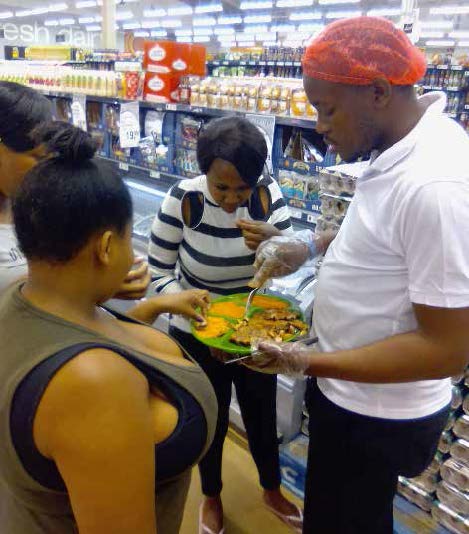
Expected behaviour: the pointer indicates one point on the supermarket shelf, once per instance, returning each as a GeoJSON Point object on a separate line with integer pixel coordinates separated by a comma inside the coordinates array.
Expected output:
{"type": "Point", "coordinates": [454, 89]}
{"type": "Point", "coordinates": [239, 63]}
{"type": "Point", "coordinates": [447, 67]}
{"type": "Point", "coordinates": [195, 110]}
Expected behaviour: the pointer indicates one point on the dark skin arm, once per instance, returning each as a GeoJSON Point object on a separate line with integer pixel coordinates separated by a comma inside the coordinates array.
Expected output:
{"type": "Point", "coordinates": [439, 348]}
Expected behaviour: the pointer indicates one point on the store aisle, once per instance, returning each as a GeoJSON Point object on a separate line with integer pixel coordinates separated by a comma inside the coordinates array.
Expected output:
{"type": "Point", "coordinates": [242, 497]}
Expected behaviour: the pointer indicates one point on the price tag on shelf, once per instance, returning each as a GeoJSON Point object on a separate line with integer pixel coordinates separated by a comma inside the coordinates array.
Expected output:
{"type": "Point", "coordinates": [442, 67]}
{"type": "Point", "coordinates": [79, 112]}
{"type": "Point", "coordinates": [155, 174]}
{"type": "Point", "coordinates": [281, 63]}
{"type": "Point", "coordinates": [215, 63]}
{"type": "Point", "coordinates": [129, 126]}
{"type": "Point", "coordinates": [123, 166]}
{"type": "Point", "coordinates": [252, 63]}
{"type": "Point", "coordinates": [262, 63]}
{"type": "Point", "coordinates": [311, 218]}
{"type": "Point", "coordinates": [242, 63]}
{"type": "Point", "coordinates": [296, 214]}
{"type": "Point", "coordinates": [288, 63]}
{"type": "Point", "coordinates": [226, 63]}
{"type": "Point", "coordinates": [270, 63]}
{"type": "Point", "coordinates": [171, 107]}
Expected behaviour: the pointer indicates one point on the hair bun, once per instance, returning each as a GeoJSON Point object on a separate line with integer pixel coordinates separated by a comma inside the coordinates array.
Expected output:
{"type": "Point", "coordinates": [67, 142]}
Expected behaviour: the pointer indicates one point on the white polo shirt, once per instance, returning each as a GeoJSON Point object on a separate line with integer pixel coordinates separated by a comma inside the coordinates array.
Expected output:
{"type": "Point", "coordinates": [405, 240]}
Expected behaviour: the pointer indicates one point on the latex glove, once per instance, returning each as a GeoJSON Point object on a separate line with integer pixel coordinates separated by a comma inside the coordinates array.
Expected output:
{"type": "Point", "coordinates": [279, 256]}
{"type": "Point", "coordinates": [280, 358]}
{"type": "Point", "coordinates": [136, 283]}
{"type": "Point", "coordinates": [256, 232]}
{"type": "Point", "coordinates": [283, 255]}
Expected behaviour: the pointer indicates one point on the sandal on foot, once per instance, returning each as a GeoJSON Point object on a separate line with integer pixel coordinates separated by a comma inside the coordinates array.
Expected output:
{"type": "Point", "coordinates": [203, 529]}
{"type": "Point", "coordinates": [295, 522]}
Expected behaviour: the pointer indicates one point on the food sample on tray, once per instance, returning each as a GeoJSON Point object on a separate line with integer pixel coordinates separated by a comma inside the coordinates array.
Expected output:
{"type": "Point", "coordinates": [229, 309]}
{"type": "Point", "coordinates": [277, 324]}
{"type": "Point", "coordinates": [214, 327]}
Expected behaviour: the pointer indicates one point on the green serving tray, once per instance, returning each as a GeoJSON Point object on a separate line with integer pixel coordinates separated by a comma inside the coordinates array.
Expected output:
{"type": "Point", "coordinates": [223, 342]}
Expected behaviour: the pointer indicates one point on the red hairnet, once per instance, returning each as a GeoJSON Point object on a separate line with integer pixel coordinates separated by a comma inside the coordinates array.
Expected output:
{"type": "Point", "coordinates": [359, 50]}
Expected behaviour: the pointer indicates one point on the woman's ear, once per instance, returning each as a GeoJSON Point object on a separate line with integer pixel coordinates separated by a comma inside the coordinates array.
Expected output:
{"type": "Point", "coordinates": [104, 243]}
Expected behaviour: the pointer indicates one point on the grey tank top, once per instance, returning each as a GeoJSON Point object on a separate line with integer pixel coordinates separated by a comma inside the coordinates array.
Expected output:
{"type": "Point", "coordinates": [29, 336]}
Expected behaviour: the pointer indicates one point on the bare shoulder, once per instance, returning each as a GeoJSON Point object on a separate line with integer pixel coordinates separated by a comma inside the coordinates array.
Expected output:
{"type": "Point", "coordinates": [95, 381]}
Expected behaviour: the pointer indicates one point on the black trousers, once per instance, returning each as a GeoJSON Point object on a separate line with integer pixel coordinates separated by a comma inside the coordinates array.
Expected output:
{"type": "Point", "coordinates": [256, 393]}
{"type": "Point", "coordinates": [354, 462]}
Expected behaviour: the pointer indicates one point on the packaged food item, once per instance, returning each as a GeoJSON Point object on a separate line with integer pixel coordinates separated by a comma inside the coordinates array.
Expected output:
{"type": "Point", "coordinates": [427, 481]}
{"type": "Point", "coordinates": [415, 494]}
{"type": "Point", "coordinates": [456, 398]}
{"type": "Point", "coordinates": [453, 498]}
{"type": "Point", "coordinates": [450, 519]}
{"type": "Point", "coordinates": [147, 152]}
{"type": "Point", "coordinates": [161, 87]}
{"type": "Point", "coordinates": [455, 473]}
{"type": "Point", "coordinates": [460, 451]}
{"type": "Point", "coordinates": [298, 103]}
{"type": "Point", "coordinates": [461, 427]}
{"type": "Point", "coordinates": [446, 440]}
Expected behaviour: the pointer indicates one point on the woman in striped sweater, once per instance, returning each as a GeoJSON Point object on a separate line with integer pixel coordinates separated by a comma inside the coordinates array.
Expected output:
{"type": "Point", "coordinates": [205, 237]}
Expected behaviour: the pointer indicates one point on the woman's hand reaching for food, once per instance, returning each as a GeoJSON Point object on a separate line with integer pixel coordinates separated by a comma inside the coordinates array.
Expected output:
{"type": "Point", "coordinates": [136, 283]}
{"type": "Point", "coordinates": [256, 232]}
{"type": "Point", "coordinates": [192, 304]}
{"type": "Point", "coordinates": [280, 358]}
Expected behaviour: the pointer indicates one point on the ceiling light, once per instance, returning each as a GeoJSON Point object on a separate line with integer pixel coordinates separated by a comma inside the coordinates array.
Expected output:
{"type": "Point", "coordinates": [61, 6]}
{"type": "Point", "coordinates": [343, 14]}
{"type": "Point", "coordinates": [257, 19]}
{"type": "Point", "coordinates": [124, 15]}
{"type": "Point", "coordinates": [313, 28]}
{"type": "Point", "coordinates": [141, 33]}
{"type": "Point", "coordinates": [258, 28]}
{"type": "Point", "coordinates": [6, 15]}
{"type": "Point", "coordinates": [265, 36]}
{"type": "Point", "coordinates": [332, 2]}
{"type": "Point", "coordinates": [202, 39]}
{"type": "Point", "coordinates": [154, 12]}
{"type": "Point", "coordinates": [306, 15]}
{"type": "Point", "coordinates": [442, 43]}
{"type": "Point", "coordinates": [261, 4]}
{"type": "Point", "coordinates": [204, 21]}
{"type": "Point", "coordinates": [384, 12]}
{"type": "Point", "coordinates": [223, 38]}
{"type": "Point", "coordinates": [437, 24]}
{"type": "Point", "coordinates": [131, 26]}
{"type": "Point", "coordinates": [449, 10]}
{"type": "Point", "coordinates": [283, 28]}
{"type": "Point", "coordinates": [209, 8]}
{"type": "Point", "coordinates": [463, 43]}
{"type": "Point", "coordinates": [183, 10]}
{"type": "Point", "coordinates": [86, 20]}
{"type": "Point", "coordinates": [294, 3]}
{"type": "Point", "coordinates": [159, 33]}
{"type": "Point", "coordinates": [223, 31]}
{"type": "Point", "coordinates": [458, 34]}
{"type": "Point", "coordinates": [227, 44]}
{"type": "Point", "coordinates": [183, 33]}
{"type": "Point", "coordinates": [270, 43]}
{"type": "Point", "coordinates": [171, 23]}
{"type": "Point", "coordinates": [203, 31]}
{"type": "Point", "coordinates": [184, 39]}
{"type": "Point", "coordinates": [51, 22]}
{"type": "Point", "coordinates": [66, 22]}
{"type": "Point", "coordinates": [151, 24]}
{"type": "Point", "coordinates": [94, 28]}
{"type": "Point", "coordinates": [243, 44]}
{"type": "Point", "coordinates": [230, 20]}
{"type": "Point", "coordinates": [434, 35]}
{"type": "Point", "coordinates": [85, 3]}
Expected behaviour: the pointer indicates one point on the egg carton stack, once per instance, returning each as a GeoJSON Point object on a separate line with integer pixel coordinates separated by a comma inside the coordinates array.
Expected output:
{"type": "Point", "coordinates": [336, 189]}
{"type": "Point", "coordinates": [443, 488]}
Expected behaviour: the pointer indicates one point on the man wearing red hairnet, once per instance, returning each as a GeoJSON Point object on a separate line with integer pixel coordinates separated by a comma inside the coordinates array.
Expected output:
{"type": "Point", "coordinates": [392, 300]}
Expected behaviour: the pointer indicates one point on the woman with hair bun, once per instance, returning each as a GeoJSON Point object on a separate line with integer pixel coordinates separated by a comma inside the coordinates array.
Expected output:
{"type": "Point", "coordinates": [101, 416]}
{"type": "Point", "coordinates": [22, 110]}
